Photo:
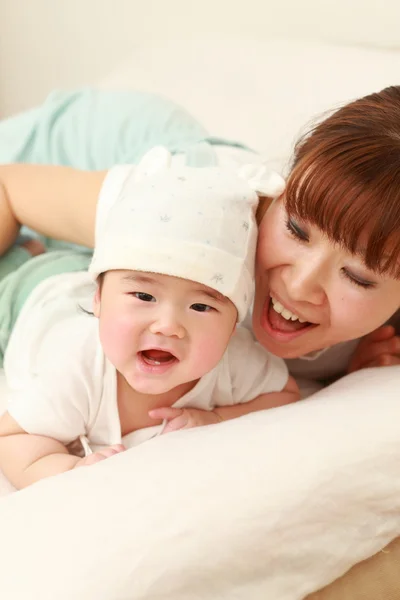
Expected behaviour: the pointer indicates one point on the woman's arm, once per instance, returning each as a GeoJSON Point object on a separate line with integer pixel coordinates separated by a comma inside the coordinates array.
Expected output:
{"type": "Point", "coordinates": [59, 202]}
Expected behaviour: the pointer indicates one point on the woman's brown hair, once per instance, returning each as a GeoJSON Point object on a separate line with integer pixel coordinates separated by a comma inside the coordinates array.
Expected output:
{"type": "Point", "coordinates": [345, 179]}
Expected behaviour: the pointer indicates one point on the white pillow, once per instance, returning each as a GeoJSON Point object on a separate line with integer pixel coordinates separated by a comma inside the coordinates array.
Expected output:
{"type": "Point", "coordinates": [274, 505]}
{"type": "Point", "coordinates": [262, 93]}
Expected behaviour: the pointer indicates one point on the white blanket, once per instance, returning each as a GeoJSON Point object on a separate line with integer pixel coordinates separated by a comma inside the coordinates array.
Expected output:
{"type": "Point", "coordinates": [5, 485]}
{"type": "Point", "coordinates": [274, 505]}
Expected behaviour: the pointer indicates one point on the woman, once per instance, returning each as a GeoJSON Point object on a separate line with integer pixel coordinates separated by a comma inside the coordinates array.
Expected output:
{"type": "Point", "coordinates": [328, 253]}
{"type": "Point", "coordinates": [329, 249]}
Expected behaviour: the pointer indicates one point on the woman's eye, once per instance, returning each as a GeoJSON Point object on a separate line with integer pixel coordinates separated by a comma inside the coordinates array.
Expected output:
{"type": "Point", "coordinates": [144, 297]}
{"type": "Point", "coordinates": [358, 280]}
{"type": "Point", "coordinates": [296, 231]}
{"type": "Point", "coordinates": [201, 307]}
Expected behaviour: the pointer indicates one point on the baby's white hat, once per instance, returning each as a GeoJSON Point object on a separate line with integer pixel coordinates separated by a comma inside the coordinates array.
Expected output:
{"type": "Point", "coordinates": [194, 223]}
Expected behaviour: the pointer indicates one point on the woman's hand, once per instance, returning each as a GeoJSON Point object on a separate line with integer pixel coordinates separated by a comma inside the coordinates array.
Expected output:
{"type": "Point", "coordinates": [381, 348]}
{"type": "Point", "coordinates": [184, 418]}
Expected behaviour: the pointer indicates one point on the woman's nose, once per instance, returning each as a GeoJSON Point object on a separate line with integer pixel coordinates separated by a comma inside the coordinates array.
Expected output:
{"type": "Point", "coordinates": [305, 282]}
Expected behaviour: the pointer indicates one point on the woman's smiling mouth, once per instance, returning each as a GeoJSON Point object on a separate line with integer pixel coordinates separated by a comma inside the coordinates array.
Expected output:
{"type": "Point", "coordinates": [282, 324]}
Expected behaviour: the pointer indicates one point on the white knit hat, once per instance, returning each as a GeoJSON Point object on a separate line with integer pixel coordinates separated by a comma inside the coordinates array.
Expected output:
{"type": "Point", "coordinates": [194, 223]}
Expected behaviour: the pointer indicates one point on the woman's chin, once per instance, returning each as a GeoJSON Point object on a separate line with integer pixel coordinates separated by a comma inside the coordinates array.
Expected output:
{"type": "Point", "coordinates": [286, 351]}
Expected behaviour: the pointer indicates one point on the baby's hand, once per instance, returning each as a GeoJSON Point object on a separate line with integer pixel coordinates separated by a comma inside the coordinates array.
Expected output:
{"type": "Point", "coordinates": [34, 247]}
{"type": "Point", "coordinates": [381, 348]}
{"type": "Point", "coordinates": [184, 418]}
{"type": "Point", "coordinates": [96, 457]}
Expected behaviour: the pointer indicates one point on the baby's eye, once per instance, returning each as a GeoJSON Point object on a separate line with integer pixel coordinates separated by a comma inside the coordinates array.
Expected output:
{"type": "Point", "coordinates": [201, 307]}
{"type": "Point", "coordinates": [144, 297]}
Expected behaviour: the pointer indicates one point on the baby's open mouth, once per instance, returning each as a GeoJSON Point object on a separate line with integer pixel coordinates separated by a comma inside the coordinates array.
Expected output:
{"type": "Point", "coordinates": [157, 357]}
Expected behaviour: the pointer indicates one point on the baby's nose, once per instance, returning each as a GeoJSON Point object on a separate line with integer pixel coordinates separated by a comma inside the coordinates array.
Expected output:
{"type": "Point", "coordinates": [168, 325]}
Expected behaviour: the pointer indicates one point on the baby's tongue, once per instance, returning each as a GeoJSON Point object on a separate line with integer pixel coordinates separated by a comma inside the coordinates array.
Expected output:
{"type": "Point", "coordinates": [281, 324]}
{"type": "Point", "coordinates": [157, 355]}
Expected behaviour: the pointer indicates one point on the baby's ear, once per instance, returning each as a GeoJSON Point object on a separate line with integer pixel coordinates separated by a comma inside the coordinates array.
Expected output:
{"type": "Point", "coordinates": [155, 160]}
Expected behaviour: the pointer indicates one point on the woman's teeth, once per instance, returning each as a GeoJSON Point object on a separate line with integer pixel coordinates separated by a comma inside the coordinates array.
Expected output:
{"type": "Point", "coordinates": [284, 312]}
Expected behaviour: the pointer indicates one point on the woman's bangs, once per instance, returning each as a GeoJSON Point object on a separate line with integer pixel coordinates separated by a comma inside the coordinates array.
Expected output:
{"type": "Point", "coordinates": [360, 215]}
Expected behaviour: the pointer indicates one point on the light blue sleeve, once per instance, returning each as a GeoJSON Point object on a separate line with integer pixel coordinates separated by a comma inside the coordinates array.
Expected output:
{"type": "Point", "coordinates": [96, 129]}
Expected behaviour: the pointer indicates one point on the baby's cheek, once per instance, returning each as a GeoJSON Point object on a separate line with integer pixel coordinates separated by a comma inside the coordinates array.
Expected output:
{"type": "Point", "coordinates": [208, 352]}
{"type": "Point", "coordinates": [115, 338]}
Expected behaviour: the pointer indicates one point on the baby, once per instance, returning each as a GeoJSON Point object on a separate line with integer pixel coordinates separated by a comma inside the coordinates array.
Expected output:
{"type": "Point", "coordinates": [173, 266]}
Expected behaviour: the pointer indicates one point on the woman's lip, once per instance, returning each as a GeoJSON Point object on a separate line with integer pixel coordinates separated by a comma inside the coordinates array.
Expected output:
{"type": "Point", "coordinates": [280, 336]}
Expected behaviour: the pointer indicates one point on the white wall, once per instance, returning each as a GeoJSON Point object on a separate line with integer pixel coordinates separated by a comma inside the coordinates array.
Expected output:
{"type": "Point", "coordinates": [57, 43]}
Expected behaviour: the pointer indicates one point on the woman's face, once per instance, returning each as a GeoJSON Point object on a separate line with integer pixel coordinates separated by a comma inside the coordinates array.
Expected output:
{"type": "Point", "coordinates": [312, 293]}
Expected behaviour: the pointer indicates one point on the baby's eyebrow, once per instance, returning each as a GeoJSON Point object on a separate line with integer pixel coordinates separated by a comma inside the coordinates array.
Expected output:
{"type": "Point", "coordinates": [136, 278]}
{"type": "Point", "coordinates": [213, 294]}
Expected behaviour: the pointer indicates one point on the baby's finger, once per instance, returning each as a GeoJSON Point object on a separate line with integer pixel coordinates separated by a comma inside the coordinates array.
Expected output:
{"type": "Point", "coordinates": [34, 247]}
{"type": "Point", "coordinates": [175, 424]}
{"type": "Point", "coordinates": [167, 413]}
{"type": "Point", "coordinates": [108, 452]}
{"type": "Point", "coordinates": [118, 447]}
{"type": "Point", "coordinates": [91, 460]}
